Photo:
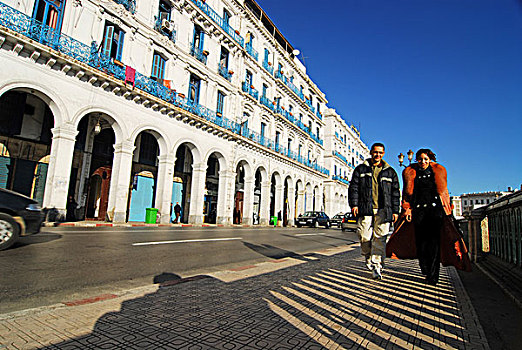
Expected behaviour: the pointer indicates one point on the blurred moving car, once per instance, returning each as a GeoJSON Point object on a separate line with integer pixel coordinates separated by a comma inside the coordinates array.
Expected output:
{"type": "Point", "coordinates": [19, 216]}
{"type": "Point", "coordinates": [313, 219]}
{"type": "Point", "coordinates": [337, 220]}
{"type": "Point", "coordinates": [349, 222]}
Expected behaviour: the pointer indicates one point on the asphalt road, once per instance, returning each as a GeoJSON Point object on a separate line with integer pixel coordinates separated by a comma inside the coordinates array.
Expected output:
{"type": "Point", "coordinates": [64, 264]}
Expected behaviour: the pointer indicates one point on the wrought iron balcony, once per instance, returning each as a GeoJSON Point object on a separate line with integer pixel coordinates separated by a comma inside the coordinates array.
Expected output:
{"type": "Point", "coordinates": [249, 89]}
{"type": "Point", "coordinates": [339, 178]}
{"type": "Point", "coordinates": [319, 115]}
{"type": "Point", "coordinates": [268, 66]}
{"type": "Point", "coordinates": [251, 51]}
{"type": "Point", "coordinates": [201, 55]}
{"type": "Point", "coordinates": [90, 55]}
{"type": "Point", "coordinates": [220, 21]}
{"type": "Point", "coordinates": [266, 102]}
{"type": "Point", "coordinates": [130, 5]}
{"type": "Point", "coordinates": [225, 73]}
{"type": "Point", "coordinates": [340, 156]}
{"type": "Point", "coordinates": [169, 33]}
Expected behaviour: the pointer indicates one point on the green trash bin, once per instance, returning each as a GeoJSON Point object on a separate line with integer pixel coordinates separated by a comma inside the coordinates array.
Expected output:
{"type": "Point", "coordinates": [273, 220]}
{"type": "Point", "coordinates": [150, 215]}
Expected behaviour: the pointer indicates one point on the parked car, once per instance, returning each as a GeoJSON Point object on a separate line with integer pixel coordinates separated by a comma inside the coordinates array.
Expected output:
{"type": "Point", "coordinates": [337, 220]}
{"type": "Point", "coordinates": [19, 216]}
{"type": "Point", "coordinates": [313, 219]}
{"type": "Point", "coordinates": [349, 222]}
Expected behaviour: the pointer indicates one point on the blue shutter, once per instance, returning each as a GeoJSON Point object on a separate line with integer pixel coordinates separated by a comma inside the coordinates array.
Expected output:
{"type": "Point", "coordinates": [107, 41]}
{"type": "Point", "coordinates": [120, 45]}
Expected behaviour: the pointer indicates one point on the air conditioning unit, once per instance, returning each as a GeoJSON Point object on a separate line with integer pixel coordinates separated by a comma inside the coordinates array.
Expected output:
{"type": "Point", "coordinates": [167, 25]}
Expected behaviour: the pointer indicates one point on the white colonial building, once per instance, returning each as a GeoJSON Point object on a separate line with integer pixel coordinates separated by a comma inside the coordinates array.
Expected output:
{"type": "Point", "coordinates": [129, 104]}
{"type": "Point", "coordinates": [344, 150]}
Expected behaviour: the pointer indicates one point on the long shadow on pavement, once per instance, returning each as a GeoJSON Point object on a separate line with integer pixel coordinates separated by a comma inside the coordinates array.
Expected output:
{"type": "Point", "coordinates": [328, 303]}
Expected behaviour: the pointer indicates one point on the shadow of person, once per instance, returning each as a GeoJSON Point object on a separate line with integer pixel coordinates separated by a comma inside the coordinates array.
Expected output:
{"type": "Point", "coordinates": [274, 252]}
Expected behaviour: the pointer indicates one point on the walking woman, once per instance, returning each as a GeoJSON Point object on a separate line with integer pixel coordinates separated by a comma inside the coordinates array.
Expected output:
{"type": "Point", "coordinates": [426, 229]}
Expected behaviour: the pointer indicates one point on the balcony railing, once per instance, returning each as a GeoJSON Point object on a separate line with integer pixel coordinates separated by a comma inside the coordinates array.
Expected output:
{"type": "Point", "coordinates": [249, 89]}
{"type": "Point", "coordinates": [130, 5]}
{"type": "Point", "coordinates": [220, 21]}
{"type": "Point", "coordinates": [339, 178]}
{"type": "Point", "coordinates": [268, 66]}
{"type": "Point", "coordinates": [170, 33]}
{"type": "Point", "coordinates": [252, 52]}
{"type": "Point", "coordinates": [289, 116]}
{"type": "Point", "coordinates": [90, 55]}
{"type": "Point", "coordinates": [266, 102]}
{"type": "Point", "coordinates": [340, 156]}
{"type": "Point", "coordinates": [201, 55]}
{"type": "Point", "coordinates": [225, 73]}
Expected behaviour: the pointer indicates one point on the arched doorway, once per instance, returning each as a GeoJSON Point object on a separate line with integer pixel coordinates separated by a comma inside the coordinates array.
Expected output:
{"type": "Point", "coordinates": [25, 139]}
{"type": "Point", "coordinates": [210, 201]}
{"type": "Point", "coordinates": [182, 181]}
{"type": "Point", "coordinates": [257, 196]}
{"type": "Point", "coordinates": [239, 195]}
{"type": "Point", "coordinates": [144, 175]}
{"type": "Point", "coordinates": [92, 167]}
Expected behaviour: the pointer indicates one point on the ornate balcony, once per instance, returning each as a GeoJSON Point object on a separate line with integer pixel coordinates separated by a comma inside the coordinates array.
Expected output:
{"type": "Point", "coordinates": [201, 55]}
{"type": "Point", "coordinates": [220, 21]}
{"type": "Point", "coordinates": [266, 102]}
{"type": "Point", "coordinates": [340, 156]}
{"type": "Point", "coordinates": [342, 179]}
{"type": "Point", "coordinates": [249, 89]}
{"type": "Point", "coordinates": [250, 50]}
{"type": "Point", "coordinates": [225, 73]}
{"type": "Point", "coordinates": [130, 5]}
{"type": "Point", "coordinates": [268, 66]}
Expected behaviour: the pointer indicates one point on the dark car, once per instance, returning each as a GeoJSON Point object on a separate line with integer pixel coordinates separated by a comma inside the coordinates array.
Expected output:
{"type": "Point", "coordinates": [313, 219]}
{"type": "Point", "coordinates": [19, 216]}
{"type": "Point", "coordinates": [337, 220]}
{"type": "Point", "coordinates": [349, 222]}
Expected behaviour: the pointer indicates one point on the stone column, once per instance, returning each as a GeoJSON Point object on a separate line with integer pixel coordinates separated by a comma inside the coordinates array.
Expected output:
{"type": "Point", "coordinates": [279, 197]}
{"type": "Point", "coordinates": [300, 202]}
{"type": "Point", "coordinates": [248, 201]}
{"type": "Point", "coordinates": [264, 211]}
{"type": "Point", "coordinates": [59, 171]}
{"type": "Point", "coordinates": [309, 200]}
{"type": "Point", "coordinates": [120, 180]}
{"type": "Point", "coordinates": [291, 205]}
{"type": "Point", "coordinates": [164, 186]}
{"type": "Point", "coordinates": [226, 191]}
{"type": "Point", "coordinates": [197, 193]}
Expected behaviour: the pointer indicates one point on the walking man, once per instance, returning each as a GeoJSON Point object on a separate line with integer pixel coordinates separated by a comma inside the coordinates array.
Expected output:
{"type": "Point", "coordinates": [375, 201]}
{"type": "Point", "coordinates": [177, 211]}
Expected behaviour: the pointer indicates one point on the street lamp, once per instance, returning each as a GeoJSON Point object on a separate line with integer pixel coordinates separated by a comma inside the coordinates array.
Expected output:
{"type": "Point", "coordinates": [401, 158]}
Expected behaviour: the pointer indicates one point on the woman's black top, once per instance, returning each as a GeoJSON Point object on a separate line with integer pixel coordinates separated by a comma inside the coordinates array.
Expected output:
{"type": "Point", "coordinates": [425, 191]}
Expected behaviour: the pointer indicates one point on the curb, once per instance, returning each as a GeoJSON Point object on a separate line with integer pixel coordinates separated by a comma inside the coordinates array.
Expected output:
{"type": "Point", "coordinates": [141, 224]}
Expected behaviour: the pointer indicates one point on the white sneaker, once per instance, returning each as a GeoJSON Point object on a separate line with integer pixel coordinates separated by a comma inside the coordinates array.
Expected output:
{"type": "Point", "coordinates": [376, 273]}
{"type": "Point", "coordinates": [369, 264]}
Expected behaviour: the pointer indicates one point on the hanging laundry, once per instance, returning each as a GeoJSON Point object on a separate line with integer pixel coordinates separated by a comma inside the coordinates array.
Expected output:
{"type": "Point", "coordinates": [130, 75]}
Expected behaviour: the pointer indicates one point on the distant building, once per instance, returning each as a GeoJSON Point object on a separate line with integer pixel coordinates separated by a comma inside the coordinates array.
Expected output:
{"type": "Point", "coordinates": [343, 151]}
{"type": "Point", "coordinates": [456, 202]}
{"type": "Point", "coordinates": [470, 201]}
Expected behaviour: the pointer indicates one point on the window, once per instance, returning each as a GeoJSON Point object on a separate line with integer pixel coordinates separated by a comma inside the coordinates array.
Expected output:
{"type": "Point", "coordinates": [158, 67]}
{"type": "Point", "coordinates": [335, 169]}
{"type": "Point", "coordinates": [263, 128]}
{"type": "Point", "coordinates": [265, 88]}
{"type": "Point", "coordinates": [244, 125]}
{"type": "Point", "coordinates": [194, 85]}
{"type": "Point", "coordinates": [164, 10]}
{"type": "Point", "coordinates": [249, 40]}
{"type": "Point", "coordinates": [317, 132]}
{"type": "Point", "coordinates": [277, 138]}
{"type": "Point", "coordinates": [223, 58]}
{"type": "Point", "coordinates": [310, 126]}
{"type": "Point", "coordinates": [309, 154]}
{"type": "Point", "coordinates": [289, 144]}
{"type": "Point", "coordinates": [290, 108]}
{"type": "Point", "coordinates": [280, 68]}
{"type": "Point", "coordinates": [299, 150]}
{"type": "Point", "coordinates": [113, 38]}
{"type": "Point", "coordinates": [301, 117]}
{"type": "Point", "coordinates": [226, 18]}
{"type": "Point", "coordinates": [487, 201]}
{"type": "Point", "coordinates": [220, 102]}
{"type": "Point", "coordinates": [49, 12]}
{"type": "Point", "coordinates": [267, 55]}
{"type": "Point", "coordinates": [199, 38]}
{"type": "Point", "coordinates": [148, 149]}
{"type": "Point", "coordinates": [248, 78]}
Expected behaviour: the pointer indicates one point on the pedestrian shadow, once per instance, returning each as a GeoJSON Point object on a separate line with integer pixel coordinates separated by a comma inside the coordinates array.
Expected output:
{"type": "Point", "coordinates": [332, 303]}
{"type": "Point", "coordinates": [274, 252]}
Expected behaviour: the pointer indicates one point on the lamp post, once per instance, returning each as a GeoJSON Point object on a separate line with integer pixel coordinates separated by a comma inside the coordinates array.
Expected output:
{"type": "Point", "coordinates": [401, 158]}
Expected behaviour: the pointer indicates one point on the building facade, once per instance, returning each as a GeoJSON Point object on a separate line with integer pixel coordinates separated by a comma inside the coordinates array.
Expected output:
{"type": "Point", "coordinates": [118, 106]}
{"type": "Point", "coordinates": [343, 151]}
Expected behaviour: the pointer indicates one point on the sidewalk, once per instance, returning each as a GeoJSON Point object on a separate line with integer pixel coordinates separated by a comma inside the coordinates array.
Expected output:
{"type": "Point", "coordinates": [324, 300]}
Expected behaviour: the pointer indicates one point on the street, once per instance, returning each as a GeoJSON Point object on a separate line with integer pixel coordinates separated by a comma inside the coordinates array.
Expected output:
{"type": "Point", "coordinates": [70, 263]}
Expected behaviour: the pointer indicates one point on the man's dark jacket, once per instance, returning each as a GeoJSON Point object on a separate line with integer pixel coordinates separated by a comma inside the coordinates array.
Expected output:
{"type": "Point", "coordinates": [360, 190]}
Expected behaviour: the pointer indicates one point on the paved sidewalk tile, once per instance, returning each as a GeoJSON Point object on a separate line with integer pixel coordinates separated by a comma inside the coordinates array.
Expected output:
{"type": "Point", "coordinates": [328, 302]}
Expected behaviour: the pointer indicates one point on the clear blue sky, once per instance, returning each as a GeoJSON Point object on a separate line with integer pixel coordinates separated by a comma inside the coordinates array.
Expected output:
{"type": "Point", "coordinates": [443, 74]}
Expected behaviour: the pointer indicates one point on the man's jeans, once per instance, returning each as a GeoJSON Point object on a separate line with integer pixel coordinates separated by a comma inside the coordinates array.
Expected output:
{"type": "Point", "coordinates": [372, 231]}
